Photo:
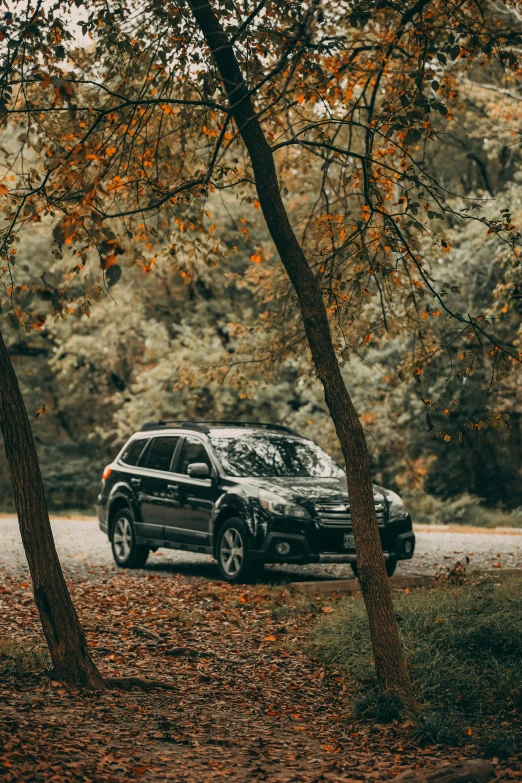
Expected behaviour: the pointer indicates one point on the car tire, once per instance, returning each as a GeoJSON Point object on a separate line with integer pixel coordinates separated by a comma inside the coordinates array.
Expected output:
{"type": "Point", "coordinates": [390, 565]}
{"type": "Point", "coordinates": [233, 557]}
{"type": "Point", "coordinates": [126, 552]}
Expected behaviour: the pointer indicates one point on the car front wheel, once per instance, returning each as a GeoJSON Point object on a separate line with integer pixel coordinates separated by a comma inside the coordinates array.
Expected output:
{"type": "Point", "coordinates": [233, 557]}
{"type": "Point", "coordinates": [126, 552]}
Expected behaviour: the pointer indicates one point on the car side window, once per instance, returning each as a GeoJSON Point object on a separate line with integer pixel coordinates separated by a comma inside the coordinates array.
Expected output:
{"type": "Point", "coordinates": [192, 450]}
{"type": "Point", "coordinates": [161, 452]}
{"type": "Point", "coordinates": [132, 451]}
{"type": "Point", "coordinates": [145, 454]}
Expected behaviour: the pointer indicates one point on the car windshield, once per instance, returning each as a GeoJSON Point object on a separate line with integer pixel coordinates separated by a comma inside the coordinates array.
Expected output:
{"type": "Point", "coordinates": [269, 456]}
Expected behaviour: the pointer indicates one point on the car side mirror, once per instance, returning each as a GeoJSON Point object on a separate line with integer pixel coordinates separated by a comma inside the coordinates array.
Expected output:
{"type": "Point", "coordinates": [198, 470]}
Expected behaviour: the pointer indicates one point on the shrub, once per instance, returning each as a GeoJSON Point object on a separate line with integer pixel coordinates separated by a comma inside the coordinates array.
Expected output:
{"type": "Point", "coordinates": [500, 743]}
{"type": "Point", "coordinates": [464, 510]}
{"type": "Point", "coordinates": [21, 660]}
{"type": "Point", "coordinates": [464, 649]}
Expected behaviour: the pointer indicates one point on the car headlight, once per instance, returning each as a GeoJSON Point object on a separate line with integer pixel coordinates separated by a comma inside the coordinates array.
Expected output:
{"type": "Point", "coordinates": [397, 507]}
{"type": "Point", "coordinates": [278, 505]}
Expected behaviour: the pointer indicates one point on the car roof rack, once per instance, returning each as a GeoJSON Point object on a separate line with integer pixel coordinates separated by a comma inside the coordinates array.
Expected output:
{"type": "Point", "coordinates": [186, 425]}
{"type": "Point", "coordinates": [245, 424]}
{"type": "Point", "coordinates": [203, 426]}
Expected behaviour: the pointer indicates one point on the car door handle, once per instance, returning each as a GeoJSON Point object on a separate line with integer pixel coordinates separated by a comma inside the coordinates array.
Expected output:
{"type": "Point", "coordinates": [136, 481]}
{"type": "Point", "coordinates": [172, 486]}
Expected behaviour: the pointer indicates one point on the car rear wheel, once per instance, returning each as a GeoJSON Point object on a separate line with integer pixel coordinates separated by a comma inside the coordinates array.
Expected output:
{"type": "Point", "coordinates": [126, 552]}
{"type": "Point", "coordinates": [232, 553]}
{"type": "Point", "coordinates": [391, 565]}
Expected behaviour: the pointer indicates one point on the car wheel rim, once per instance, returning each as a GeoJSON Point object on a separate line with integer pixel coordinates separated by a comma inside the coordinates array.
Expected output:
{"type": "Point", "coordinates": [231, 552]}
{"type": "Point", "coordinates": [122, 538]}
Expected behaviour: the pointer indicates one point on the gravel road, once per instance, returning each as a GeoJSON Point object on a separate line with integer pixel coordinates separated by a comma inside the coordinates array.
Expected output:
{"type": "Point", "coordinates": [83, 547]}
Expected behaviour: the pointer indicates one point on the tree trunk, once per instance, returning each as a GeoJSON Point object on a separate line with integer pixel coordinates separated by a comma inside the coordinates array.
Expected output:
{"type": "Point", "coordinates": [61, 626]}
{"type": "Point", "coordinates": [390, 664]}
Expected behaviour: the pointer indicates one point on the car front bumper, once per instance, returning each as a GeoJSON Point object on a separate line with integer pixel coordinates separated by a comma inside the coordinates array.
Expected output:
{"type": "Point", "coordinates": [397, 539]}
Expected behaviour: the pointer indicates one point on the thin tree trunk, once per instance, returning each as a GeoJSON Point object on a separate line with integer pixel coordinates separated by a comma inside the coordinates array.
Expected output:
{"type": "Point", "coordinates": [61, 626]}
{"type": "Point", "coordinates": [390, 663]}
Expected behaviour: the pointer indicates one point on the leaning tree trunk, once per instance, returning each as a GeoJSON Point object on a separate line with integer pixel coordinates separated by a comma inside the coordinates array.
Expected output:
{"type": "Point", "coordinates": [61, 626]}
{"type": "Point", "coordinates": [390, 664]}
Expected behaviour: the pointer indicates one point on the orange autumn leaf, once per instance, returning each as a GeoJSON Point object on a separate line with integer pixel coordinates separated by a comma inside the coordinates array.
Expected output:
{"type": "Point", "coordinates": [108, 261]}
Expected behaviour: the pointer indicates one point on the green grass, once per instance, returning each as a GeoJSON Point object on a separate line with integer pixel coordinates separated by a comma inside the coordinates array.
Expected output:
{"type": "Point", "coordinates": [20, 660]}
{"type": "Point", "coordinates": [464, 649]}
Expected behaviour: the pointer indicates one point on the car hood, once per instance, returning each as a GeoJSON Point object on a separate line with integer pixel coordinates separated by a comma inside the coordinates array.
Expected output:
{"type": "Point", "coordinates": [311, 489]}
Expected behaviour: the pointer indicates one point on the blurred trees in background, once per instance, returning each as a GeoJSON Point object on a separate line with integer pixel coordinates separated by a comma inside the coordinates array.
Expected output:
{"type": "Point", "coordinates": [194, 318]}
{"type": "Point", "coordinates": [184, 340]}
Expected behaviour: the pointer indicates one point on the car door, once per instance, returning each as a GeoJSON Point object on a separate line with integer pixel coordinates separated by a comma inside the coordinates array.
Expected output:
{"type": "Point", "coordinates": [157, 490]}
{"type": "Point", "coordinates": [190, 521]}
{"type": "Point", "coordinates": [129, 472]}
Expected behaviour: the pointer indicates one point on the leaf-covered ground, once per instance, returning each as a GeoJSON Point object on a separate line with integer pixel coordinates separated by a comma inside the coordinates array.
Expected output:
{"type": "Point", "coordinates": [249, 703]}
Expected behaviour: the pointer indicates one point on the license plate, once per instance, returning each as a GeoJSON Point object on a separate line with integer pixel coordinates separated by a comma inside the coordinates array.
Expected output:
{"type": "Point", "coordinates": [348, 541]}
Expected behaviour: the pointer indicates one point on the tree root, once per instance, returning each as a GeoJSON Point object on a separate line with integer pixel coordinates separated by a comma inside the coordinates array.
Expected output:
{"type": "Point", "coordinates": [129, 683]}
{"type": "Point", "coordinates": [140, 630]}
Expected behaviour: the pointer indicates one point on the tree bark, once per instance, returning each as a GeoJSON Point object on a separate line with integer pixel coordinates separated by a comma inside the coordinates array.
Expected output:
{"type": "Point", "coordinates": [390, 664]}
{"type": "Point", "coordinates": [61, 626]}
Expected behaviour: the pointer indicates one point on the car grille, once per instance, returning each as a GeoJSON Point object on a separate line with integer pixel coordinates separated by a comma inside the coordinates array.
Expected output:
{"type": "Point", "coordinates": [338, 514]}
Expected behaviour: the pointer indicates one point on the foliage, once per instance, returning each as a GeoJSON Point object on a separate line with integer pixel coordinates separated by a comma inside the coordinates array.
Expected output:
{"type": "Point", "coordinates": [464, 649]}
{"type": "Point", "coordinates": [190, 313]}
{"type": "Point", "coordinates": [134, 160]}
{"type": "Point", "coordinates": [463, 510]}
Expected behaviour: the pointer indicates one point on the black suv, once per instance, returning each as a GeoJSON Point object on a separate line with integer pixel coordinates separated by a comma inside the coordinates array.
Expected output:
{"type": "Point", "coordinates": [247, 494]}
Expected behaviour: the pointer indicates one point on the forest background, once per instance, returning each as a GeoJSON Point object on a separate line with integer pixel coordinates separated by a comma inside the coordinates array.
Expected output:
{"type": "Point", "coordinates": [181, 336]}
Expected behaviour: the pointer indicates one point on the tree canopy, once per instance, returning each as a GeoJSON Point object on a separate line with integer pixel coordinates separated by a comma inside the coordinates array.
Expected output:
{"type": "Point", "coordinates": [394, 130]}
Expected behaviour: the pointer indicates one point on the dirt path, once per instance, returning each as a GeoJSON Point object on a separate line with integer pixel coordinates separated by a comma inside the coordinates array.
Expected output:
{"type": "Point", "coordinates": [81, 546]}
